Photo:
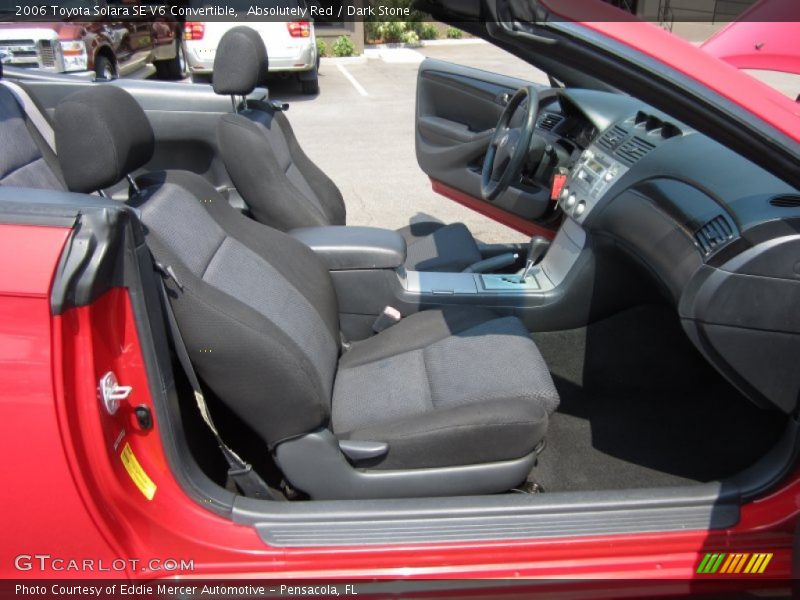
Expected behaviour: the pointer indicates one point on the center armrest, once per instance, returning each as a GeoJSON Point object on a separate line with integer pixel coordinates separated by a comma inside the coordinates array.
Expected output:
{"type": "Point", "coordinates": [352, 248]}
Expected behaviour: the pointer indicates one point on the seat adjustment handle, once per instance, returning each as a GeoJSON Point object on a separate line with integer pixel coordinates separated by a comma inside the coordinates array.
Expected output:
{"type": "Point", "coordinates": [358, 450]}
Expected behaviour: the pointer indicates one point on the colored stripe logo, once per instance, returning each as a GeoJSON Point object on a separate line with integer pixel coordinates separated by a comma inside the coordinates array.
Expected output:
{"type": "Point", "coordinates": [749, 563]}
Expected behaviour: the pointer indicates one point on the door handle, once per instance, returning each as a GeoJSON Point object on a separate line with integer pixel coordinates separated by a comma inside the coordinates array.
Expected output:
{"type": "Point", "coordinates": [504, 98]}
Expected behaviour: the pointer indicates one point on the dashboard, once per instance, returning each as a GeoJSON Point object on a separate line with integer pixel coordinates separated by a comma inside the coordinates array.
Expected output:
{"type": "Point", "coordinates": [719, 235]}
{"type": "Point", "coordinates": [618, 146]}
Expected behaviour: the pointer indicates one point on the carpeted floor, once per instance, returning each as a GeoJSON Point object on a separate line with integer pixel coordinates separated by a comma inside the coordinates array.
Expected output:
{"type": "Point", "coordinates": [640, 407]}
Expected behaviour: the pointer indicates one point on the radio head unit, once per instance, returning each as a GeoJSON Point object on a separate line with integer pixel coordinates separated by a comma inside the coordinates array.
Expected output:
{"type": "Point", "coordinates": [591, 177]}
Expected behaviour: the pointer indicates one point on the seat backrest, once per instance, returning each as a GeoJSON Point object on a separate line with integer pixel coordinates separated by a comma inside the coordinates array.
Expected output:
{"type": "Point", "coordinates": [25, 158]}
{"type": "Point", "coordinates": [281, 186]}
{"type": "Point", "coordinates": [256, 308]}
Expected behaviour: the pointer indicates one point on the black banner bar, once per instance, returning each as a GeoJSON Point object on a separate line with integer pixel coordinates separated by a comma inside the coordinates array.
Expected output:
{"type": "Point", "coordinates": [369, 589]}
{"type": "Point", "coordinates": [340, 11]}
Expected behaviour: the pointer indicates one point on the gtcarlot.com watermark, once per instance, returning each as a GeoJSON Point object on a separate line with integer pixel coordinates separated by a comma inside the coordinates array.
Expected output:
{"type": "Point", "coordinates": [49, 563]}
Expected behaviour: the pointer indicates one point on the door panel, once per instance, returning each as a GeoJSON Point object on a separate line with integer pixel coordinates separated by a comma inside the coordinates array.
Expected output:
{"type": "Point", "coordinates": [457, 110]}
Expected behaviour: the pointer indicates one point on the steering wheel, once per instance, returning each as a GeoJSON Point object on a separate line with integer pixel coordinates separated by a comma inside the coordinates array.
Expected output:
{"type": "Point", "coordinates": [508, 147]}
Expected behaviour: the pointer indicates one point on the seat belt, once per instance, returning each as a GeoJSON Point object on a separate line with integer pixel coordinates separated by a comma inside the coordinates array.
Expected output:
{"type": "Point", "coordinates": [242, 473]}
{"type": "Point", "coordinates": [40, 123]}
{"type": "Point", "coordinates": [38, 120]}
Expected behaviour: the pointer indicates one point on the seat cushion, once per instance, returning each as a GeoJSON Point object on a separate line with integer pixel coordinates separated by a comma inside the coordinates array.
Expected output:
{"type": "Point", "coordinates": [445, 387]}
{"type": "Point", "coordinates": [437, 247]}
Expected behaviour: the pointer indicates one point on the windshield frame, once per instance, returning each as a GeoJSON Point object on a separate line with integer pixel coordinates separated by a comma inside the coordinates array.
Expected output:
{"type": "Point", "coordinates": [707, 94]}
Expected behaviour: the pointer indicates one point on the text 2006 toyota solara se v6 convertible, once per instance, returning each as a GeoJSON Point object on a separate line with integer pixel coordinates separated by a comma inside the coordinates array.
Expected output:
{"type": "Point", "coordinates": [616, 400]}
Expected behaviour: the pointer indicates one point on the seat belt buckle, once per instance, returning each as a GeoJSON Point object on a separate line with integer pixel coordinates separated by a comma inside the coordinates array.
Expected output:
{"type": "Point", "coordinates": [390, 316]}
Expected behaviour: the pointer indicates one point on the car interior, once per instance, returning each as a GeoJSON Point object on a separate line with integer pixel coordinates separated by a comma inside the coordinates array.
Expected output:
{"type": "Point", "coordinates": [644, 351]}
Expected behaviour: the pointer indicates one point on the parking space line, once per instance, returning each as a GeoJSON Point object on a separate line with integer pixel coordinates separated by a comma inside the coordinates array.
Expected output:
{"type": "Point", "coordinates": [359, 88]}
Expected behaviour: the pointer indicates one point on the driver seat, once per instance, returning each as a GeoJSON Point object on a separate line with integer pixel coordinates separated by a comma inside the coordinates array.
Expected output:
{"type": "Point", "coordinates": [281, 186]}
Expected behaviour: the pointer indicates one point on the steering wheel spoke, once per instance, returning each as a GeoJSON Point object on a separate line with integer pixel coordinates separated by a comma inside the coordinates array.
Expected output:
{"type": "Point", "coordinates": [496, 137]}
{"type": "Point", "coordinates": [508, 147]}
{"type": "Point", "coordinates": [499, 168]}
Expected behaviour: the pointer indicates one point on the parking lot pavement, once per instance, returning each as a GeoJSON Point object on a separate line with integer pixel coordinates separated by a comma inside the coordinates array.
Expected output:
{"type": "Point", "coordinates": [360, 131]}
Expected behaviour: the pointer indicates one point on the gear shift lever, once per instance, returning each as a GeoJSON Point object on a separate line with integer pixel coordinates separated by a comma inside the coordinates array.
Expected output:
{"type": "Point", "coordinates": [536, 249]}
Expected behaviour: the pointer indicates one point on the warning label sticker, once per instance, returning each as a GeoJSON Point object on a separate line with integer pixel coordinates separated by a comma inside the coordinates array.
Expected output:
{"type": "Point", "coordinates": [140, 479]}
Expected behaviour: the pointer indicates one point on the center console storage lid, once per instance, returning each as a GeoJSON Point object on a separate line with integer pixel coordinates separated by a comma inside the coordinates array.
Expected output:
{"type": "Point", "coordinates": [351, 248]}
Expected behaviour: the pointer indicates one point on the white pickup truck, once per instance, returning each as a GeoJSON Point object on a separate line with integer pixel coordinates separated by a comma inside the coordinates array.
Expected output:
{"type": "Point", "coordinates": [110, 49]}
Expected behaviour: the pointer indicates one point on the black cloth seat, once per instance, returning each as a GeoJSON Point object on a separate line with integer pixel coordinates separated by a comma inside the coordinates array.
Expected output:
{"type": "Point", "coordinates": [445, 389]}
{"type": "Point", "coordinates": [281, 186]}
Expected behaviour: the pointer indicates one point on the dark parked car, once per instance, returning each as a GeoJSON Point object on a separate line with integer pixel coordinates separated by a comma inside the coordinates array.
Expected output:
{"type": "Point", "coordinates": [96, 43]}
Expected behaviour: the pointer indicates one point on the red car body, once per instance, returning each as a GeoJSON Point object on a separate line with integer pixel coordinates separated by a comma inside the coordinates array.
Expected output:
{"type": "Point", "coordinates": [765, 37]}
{"type": "Point", "coordinates": [64, 451]}
{"type": "Point", "coordinates": [755, 97]}
{"type": "Point", "coordinates": [68, 464]}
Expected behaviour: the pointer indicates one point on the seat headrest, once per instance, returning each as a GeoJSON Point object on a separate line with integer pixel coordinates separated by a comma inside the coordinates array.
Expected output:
{"type": "Point", "coordinates": [241, 62]}
{"type": "Point", "coordinates": [102, 135]}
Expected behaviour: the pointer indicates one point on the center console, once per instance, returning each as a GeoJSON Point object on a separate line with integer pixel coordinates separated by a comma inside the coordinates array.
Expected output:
{"type": "Point", "coordinates": [594, 174]}
{"type": "Point", "coordinates": [367, 269]}
{"type": "Point", "coordinates": [542, 278]}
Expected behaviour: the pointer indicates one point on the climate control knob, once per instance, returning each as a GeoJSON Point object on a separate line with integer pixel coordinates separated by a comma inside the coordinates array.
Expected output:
{"type": "Point", "coordinates": [570, 201]}
{"type": "Point", "coordinates": [580, 209]}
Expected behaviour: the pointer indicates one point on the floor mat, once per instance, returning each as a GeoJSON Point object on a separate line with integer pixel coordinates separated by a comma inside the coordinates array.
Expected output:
{"type": "Point", "coordinates": [640, 407]}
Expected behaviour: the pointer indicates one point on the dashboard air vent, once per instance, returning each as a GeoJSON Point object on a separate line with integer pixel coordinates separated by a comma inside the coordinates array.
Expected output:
{"type": "Point", "coordinates": [713, 234]}
{"type": "Point", "coordinates": [653, 126]}
{"type": "Point", "coordinates": [785, 201]}
{"type": "Point", "coordinates": [548, 121]}
{"type": "Point", "coordinates": [669, 131]}
{"type": "Point", "coordinates": [633, 150]}
{"type": "Point", "coordinates": [612, 138]}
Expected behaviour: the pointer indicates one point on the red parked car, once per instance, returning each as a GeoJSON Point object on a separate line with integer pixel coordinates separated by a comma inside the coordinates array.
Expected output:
{"type": "Point", "coordinates": [611, 408]}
